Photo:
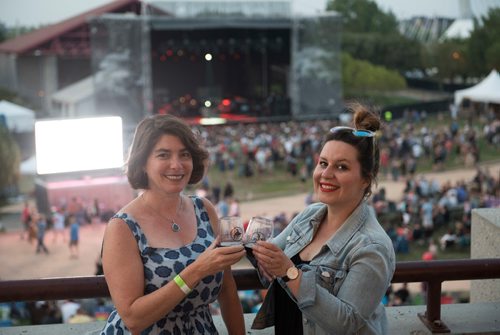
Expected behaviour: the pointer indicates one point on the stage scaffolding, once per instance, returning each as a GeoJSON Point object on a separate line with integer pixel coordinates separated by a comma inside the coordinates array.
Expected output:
{"type": "Point", "coordinates": [122, 55]}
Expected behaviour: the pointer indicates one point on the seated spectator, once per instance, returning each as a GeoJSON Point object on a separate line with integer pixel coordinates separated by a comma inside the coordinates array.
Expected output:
{"type": "Point", "coordinates": [68, 309]}
{"type": "Point", "coordinates": [80, 317]}
{"type": "Point", "coordinates": [386, 299]}
{"type": "Point", "coordinates": [401, 245]}
{"type": "Point", "coordinates": [403, 296]}
{"type": "Point", "coordinates": [448, 240]}
{"type": "Point", "coordinates": [463, 235]}
{"type": "Point", "coordinates": [431, 252]}
{"type": "Point", "coordinates": [418, 234]}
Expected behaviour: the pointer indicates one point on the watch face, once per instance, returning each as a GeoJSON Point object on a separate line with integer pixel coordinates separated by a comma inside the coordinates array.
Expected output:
{"type": "Point", "coordinates": [292, 273]}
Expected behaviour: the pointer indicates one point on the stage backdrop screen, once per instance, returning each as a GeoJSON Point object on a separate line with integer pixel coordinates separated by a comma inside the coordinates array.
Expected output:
{"type": "Point", "coordinates": [82, 144]}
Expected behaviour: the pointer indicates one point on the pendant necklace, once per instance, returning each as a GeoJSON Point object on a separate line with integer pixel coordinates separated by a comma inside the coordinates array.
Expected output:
{"type": "Point", "coordinates": [174, 225]}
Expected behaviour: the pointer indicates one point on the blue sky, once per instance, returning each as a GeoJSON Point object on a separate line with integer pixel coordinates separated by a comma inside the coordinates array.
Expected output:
{"type": "Point", "coordinates": [36, 12]}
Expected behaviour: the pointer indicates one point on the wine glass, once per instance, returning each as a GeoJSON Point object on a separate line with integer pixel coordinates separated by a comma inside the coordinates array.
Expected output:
{"type": "Point", "coordinates": [230, 231]}
{"type": "Point", "coordinates": [259, 229]}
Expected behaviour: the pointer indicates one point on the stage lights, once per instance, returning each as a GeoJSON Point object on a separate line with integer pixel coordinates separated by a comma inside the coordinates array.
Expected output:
{"type": "Point", "coordinates": [218, 49]}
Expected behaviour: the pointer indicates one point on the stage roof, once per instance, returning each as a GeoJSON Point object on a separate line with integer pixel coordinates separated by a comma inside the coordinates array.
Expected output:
{"type": "Point", "coordinates": [36, 38]}
{"type": "Point", "coordinates": [160, 23]}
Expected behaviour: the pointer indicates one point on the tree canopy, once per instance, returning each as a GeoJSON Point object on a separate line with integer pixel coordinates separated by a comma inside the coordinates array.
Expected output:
{"type": "Point", "coordinates": [3, 32]}
{"type": "Point", "coordinates": [10, 158]}
{"type": "Point", "coordinates": [358, 75]}
{"type": "Point", "coordinates": [372, 35]}
{"type": "Point", "coordinates": [484, 44]}
{"type": "Point", "coordinates": [364, 16]}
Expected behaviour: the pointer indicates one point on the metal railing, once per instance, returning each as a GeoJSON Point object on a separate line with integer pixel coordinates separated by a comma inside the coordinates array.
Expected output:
{"type": "Point", "coordinates": [433, 273]}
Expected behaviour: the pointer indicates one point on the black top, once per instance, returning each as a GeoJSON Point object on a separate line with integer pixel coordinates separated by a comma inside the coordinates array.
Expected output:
{"type": "Point", "coordinates": [287, 316]}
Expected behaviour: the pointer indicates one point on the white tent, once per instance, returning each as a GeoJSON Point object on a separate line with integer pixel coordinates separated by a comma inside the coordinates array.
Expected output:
{"type": "Point", "coordinates": [19, 119]}
{"type": "Point", "coordinates": [460, 28]}
{"type": "Point", "coordinates": [75, 100]}
{"type": "Point", "coordinates": [487, 91]}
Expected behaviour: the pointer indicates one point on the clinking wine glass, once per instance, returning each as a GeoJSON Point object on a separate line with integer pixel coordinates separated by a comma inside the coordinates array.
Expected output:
{"type": "Point", "coordinates": [259, 229]}
{"type": "Point", "coordinates": [230, 231]}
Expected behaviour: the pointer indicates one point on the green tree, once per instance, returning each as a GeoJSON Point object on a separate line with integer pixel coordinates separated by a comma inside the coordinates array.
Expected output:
{"type": "Point", "coordinates": [364, 16]}
{"type": "Point", "coordinates": [393, 51]}
{"type": "Point", "coordinates": [3, 32]}
{"type": "Point", "coordinates": [371, 34]}
{"type": "Point", "coordinates": [7, 32]}
{"type": "Point", "coordinates": [492, 56]}
{"type": "Point", "coordinates": [359, 76]}
{"type": "Point", "coordinates": [484, 43]}
{"type": "Point", "coordinates": [10, 158]}
{"type": "Point", "coordinates": [449, 57]}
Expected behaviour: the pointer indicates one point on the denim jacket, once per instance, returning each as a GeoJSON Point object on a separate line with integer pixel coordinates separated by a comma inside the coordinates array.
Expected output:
{"type": "Point", "coordinates": [341, 289]}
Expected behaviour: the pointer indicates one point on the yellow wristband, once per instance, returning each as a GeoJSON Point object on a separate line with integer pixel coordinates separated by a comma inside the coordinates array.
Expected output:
{"type": "Point", "coordinates": [182, 284]}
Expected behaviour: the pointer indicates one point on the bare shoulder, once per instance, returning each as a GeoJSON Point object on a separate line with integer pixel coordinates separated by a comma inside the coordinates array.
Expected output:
{"type": "Point", "coordinates": [117, 228]}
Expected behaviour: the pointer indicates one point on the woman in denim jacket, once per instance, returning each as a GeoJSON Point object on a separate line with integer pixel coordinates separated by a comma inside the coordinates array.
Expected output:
{"type": "Point", "coordinates": [333, 263]}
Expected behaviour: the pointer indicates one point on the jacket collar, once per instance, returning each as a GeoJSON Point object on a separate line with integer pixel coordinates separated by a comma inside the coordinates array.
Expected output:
{"type": "Point", "coordinates": [353, 224]}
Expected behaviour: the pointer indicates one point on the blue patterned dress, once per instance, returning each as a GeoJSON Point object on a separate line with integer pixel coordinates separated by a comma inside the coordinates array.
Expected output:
{"type": "Point", "coordinates": [161, 265]}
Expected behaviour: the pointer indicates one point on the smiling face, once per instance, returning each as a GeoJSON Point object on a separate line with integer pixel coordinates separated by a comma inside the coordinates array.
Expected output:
{"type": "Point", "coordinates": [337, 176]}
{"type": "Point", "coordinates": [169, 165]}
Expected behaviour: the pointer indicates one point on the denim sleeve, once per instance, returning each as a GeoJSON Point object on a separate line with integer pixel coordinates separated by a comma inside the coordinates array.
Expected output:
{"type": "Point", "coordinates": [360, 293]}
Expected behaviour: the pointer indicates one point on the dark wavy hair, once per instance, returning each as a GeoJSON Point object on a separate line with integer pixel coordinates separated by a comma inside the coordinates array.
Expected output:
{"type": "Point", "coordinates": [147, 134]}
{"type": "Point", "coordinates": [365, 118]}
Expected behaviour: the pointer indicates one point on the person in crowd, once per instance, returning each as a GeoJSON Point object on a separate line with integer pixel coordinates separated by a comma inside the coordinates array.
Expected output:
{"type": "Point", "coordinates": [431, 253]}
{"type": "Point", "coordinates": [448, 240]}
{"type": "Point", "coordinates": [68, 309]}
{"type": "Point", "coordinates": [402, 296]}
{"type": "Point", "coordinates": [81, 316]}
{"type": "Point", "coordinates": [74, 236]}
{"type": "Point", "coordinates": [234, 207]}
{"type": "Point", "coordinates": [58, 219]}
{"type": "Point", "coordinates": [41, 227]}
{"type": "Point", "coordinates": [26, 220]}
{"type": "Point", "coordinates": [223, 207]}
{"type": "Point", "coordinates": [335, 251]}
{"type": "Point", "coordinates": [159, 254]}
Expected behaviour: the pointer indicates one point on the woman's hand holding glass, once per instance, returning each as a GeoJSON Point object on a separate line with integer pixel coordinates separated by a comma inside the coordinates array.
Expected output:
{"type": "Point", "coordinates": [214, 259]}
{"type": "Point", "coordinates": [271, 260]}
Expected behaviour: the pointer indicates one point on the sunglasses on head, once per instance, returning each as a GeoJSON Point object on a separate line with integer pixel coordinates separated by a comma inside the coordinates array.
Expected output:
{"type": "Point", "coordinates": [354, 131]}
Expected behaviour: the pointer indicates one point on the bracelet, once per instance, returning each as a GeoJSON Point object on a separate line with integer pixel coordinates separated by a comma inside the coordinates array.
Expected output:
{"type": "Point", "coordinates": [182, 284]}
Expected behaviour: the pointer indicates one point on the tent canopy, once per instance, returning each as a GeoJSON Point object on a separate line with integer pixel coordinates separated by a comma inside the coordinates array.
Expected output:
{"type": "Point", "coordinates": [460, 28]}
{"type": "Point", "coordinates": [19, 119]}
{"type": "Point", "coordinates": [487, 91]}
{"type": "Point", "coordinates": [75, 92]}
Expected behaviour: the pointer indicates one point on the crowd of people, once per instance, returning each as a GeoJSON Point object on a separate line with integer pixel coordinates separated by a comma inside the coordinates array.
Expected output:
{"type": "Point", "coordinates": [249, 149]}
{"type": "Point", "coordinates": [426, 207]}
{"type": "Point", "coordinates": [63, 223]}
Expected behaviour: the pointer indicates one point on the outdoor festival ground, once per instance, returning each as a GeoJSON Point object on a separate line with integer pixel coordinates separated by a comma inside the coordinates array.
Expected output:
{"type": "Point", "coordinates": [18, 259]}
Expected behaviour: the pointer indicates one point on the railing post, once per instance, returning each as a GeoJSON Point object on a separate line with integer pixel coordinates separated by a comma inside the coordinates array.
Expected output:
{"type": "Point", "coordinates": [432, 316]}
